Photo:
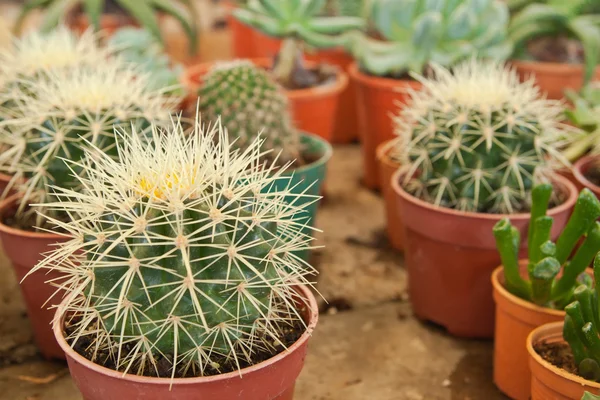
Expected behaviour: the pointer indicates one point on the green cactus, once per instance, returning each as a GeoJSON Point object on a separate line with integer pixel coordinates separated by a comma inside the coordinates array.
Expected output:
{"type": "Point", "coordinates": [71, 110]}
{"type": "Point", "coordinates": [581, 326]}
{"type": "Point", "coordinates": [477, 139]}
{"type": "Point", "coordinates": [547, 258]}
{"type": "Point", "coordinates": [249, 102]}
{"type": "Point", "coordinates": [179, 253]}
{"type": "Point", "coordinates": [420, 32]}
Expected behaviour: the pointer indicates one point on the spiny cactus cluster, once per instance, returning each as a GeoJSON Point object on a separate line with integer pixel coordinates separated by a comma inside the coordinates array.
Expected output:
{"type": "Point", "coordinates": [476, 139]}
{"type": "Point", "coordinates": [70, 110]}
{"type": "Point", "coordinates": [178, 253]}
{"type": "Point", "coordinates": [249, 102]}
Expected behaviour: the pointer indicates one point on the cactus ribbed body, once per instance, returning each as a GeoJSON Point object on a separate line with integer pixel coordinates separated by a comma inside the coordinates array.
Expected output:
{"type": "Point", "coordinates": [249, 102]}
{"type": "Point", "coordinates": [477, 139]}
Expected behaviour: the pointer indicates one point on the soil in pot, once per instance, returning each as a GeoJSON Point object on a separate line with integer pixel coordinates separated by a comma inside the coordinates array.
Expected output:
{"type": "Point", "coordinates": [558, 354]}
{"type": "Point", "coordinates": [586, 172]}
{"type": "Point", "coordinates": [556, 50]}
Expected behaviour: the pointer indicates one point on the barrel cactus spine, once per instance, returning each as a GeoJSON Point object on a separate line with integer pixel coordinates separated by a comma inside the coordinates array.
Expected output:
{"type": "Point", "coordinates": [178, 253]}
{"type": "Point", "coordinates": [477, 139]}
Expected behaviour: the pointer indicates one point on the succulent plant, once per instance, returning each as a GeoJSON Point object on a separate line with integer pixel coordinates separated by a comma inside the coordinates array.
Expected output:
{"type": "Point", "coordinates": [142, 11]}
{"type": "Point", "coordinates": [575, 19]}
{"type": "Point", "coordinates": [477, 139]}
{"type": "Point", "coordinates": [585, 115]}
{"type": "Point", "coordinates": [590, 396]}
{"type": "Point", "coordinates": [72, 110]}
{"type": "Point", "coordinates": [420, 32]}
{"type": "Point", "coordinates": [581, 326]}
{"type": "Point", "coordinates": [546, 258]}
{"type": "Point", "coordinates": [249, 102]}
{"type": "Point", "coordinates": [297, 21]}
{"type": "Point", "coordinates": [178, 253]}
{"type": "Point", "coordinates": [349, 8]}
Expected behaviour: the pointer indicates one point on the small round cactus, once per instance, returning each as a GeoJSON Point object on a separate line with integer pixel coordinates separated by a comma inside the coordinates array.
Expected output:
{"type": "Point", "coordinates": [249, 102]}
{"type": "Point", "coordinates": [179, 254]}
{"type": "Point", "coordinates": [476, 139]}
{"type": "Point", "coordinates": [73, 109]}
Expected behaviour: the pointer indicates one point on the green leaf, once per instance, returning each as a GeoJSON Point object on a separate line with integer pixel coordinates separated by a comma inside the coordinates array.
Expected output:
{"type": "Point", "coordinates": [93, 10]}
{"type": "Point", "coordinates": [144, 14]}
{"type": "Point", "coordinates": [190, 28]}
{"type": "Point", "coordinates": [267, 25]}
{"type": "Point", "coordinates": [28, 7]}
{"type": "Point", "coordinates": [274, 9]}
{"type": "Point", "coordinates": [335, 25]}
{"type": "Point", "coordinates": [55, 13]}
{"type": "Point", "coordinates": [538, 13]}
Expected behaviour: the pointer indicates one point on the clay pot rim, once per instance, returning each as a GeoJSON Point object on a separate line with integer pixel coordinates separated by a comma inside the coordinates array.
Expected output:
{"type": "Point", "coordinates": [546, 66]}
{"type": "Point", "coordinates": [324, 159]}
{"type": "Point", "coordinates": [5, 205]}
{"type": "Point", "coordinates": [378, 81]}
{"type": "Point", "coordinates": [500, 289]}
{"type": "Point", "coordinates": [313, 317]}
{"type": "Point", "coordinates": [383, 153]}
{"type": "Point", "coordinates": [578, 171]}
{"type": "Point", "coordinates": [190, 79]}
{"type": "Point", "coordinates": [552, 327]}
{"type": "Point", "coordinates": [568, 203]}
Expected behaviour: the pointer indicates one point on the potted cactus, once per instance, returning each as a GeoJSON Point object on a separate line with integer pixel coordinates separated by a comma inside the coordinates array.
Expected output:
{"type": "Point", "coordinates": [472, 144]}
{"type": "Point", "coordinates": [415, 34]}
{"type": "Point", "coordinates": [530, 292]}
{"type": "Point", "coordinates": [314, 89]}
{"type": "Point", "coordinates": [575, 341]}
{"type": "Point", "coordinates": [72, 109]}
{"type": "Point", "coordinates": [257, 104]}
{"type": "Point", "coordinates": [557, 42]}
{"type": "Point", "coordinates": [181, 284]}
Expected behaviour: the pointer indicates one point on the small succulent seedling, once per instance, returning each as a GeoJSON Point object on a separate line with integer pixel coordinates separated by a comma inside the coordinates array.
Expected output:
{"type": "Point", "coordinates": [420, 32]}
{"type": "Point", "coordinates": [546, 258]}
{"type": "Point", "coordinates": [70, 110]}
{"type": "Point", "coordinates": [581, 326]}
{"type": "Point", "coordinates": [177, 253]}
{"type": "Point", "coordinates": [249, 101]}
{"type": "Point", "coordinates": [477, 139]}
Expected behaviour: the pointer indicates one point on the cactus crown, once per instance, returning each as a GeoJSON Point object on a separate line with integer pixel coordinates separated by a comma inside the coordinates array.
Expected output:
{"type": "Point", "coordinates": [180, 251]}
{"type": "Point", "coordinates": [420, 32]}
{"type": "Point", "coordinates": [71, 109]}
{"type": "Point", "coordinates": [249, 102]}
{"type": "Point", "coordinates": [477, 139]}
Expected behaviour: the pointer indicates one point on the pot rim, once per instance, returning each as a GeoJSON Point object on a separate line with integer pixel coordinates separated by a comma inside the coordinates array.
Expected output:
{"type": "Point", "coordinates": [569, 201]}
{"type": "Point", "coordinates": [323, 159]}
{"type": "Point", "coordinates": [6, 205]}
{"type": "Point", "coordinates": [554, 326]}
{"type": "Point", "coordinates": [379, 81]}
{"type": "Point", "coordinates": [499, 288]}
{"type": "Point", "coordinates": [549, 66]}
{"type": "Point", "coordinates": [578, 171]}
{"type": "Point", "coordinates": [383, 153]}
{"type": "Point", "coordinates": [313, 318]}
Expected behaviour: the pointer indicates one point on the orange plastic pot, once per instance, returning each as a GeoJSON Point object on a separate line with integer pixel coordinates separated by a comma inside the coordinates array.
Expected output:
{"type": "Point", "coordinates": [377, 99]}
{"type": "Point", "coordinates": [450, 256]}
{"type": "Point", "coordinates": [581, 167]}
{"type": "Point", "coordinates": [242, 35]}
{"type": "Point", "coordinates": [313, 110]}
{"type": "Point", "coordinates": [273, 379]}
{"type": "Point", "coordinates": [553, 78]}
{"type": "Point", "coordinates": [4, 181]}
{"type": "Point", "coordinates": [387, 167]}
{"type": "Point", "coordinates": [547, 381]}
{"type": "Point", "coordinates": [515, 320]}
{"type": "Point", "coordinates": [265, 46]}
{"type": "Point", "coordinates": [25, 249]}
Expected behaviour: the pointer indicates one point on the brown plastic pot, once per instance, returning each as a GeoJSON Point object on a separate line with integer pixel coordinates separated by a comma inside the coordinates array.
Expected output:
{"type": "Point", "coordinates": [450, 256]}
{"type": "Point", "coordinates": [394, 224]}
{"type": "Point", "coordinates": [547, 381]}
{"type": "Point", "coordinates": [515, 320]}
{"type": "Point", "coordinates": [553, 78]}
{"type": "Point", "coordinates": [377, 99]}
{"type": "Point", "coordinates": [242, 35]}
{"type": "Point", "coordinates": [313, 110]}
{"type": "Point", "coordinates": [25, 249]}
{"type": "Point", "coordinates": [273, 379]}
{"type": "Point", "coordinates": [581, 167]}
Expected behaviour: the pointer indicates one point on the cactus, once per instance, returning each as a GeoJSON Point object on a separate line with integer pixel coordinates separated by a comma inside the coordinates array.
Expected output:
{"type": "Point", "coordinates": [581, 326]}
{"type": "Point", "coordinates": [179, 254]}
{"type": "Point", "coordinates": [249, 102]}
{"type": "Point", "coordinates": [71, 110]}
{"type": "Point", "coordinates": [421, 32]}
{"type": "Point", "coordinates": [547, 258]}
{"type": "Point", "coordinates": [477, 139]}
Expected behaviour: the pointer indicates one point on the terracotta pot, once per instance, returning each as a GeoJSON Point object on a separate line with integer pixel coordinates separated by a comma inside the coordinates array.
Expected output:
{"type": "Point", "coordinates": [313, 110]}
{"type": "Point", "coordinates": [377, 100]}
{"type": "Point", "coordinates": [4, 181]}
{"type": "Point", "coordinates": [273, 379]}
{"type": "Point", "coordinates": [581, 167]}
{"type": "Point", "coordinates": [387, 167]}
{"type": "Point", "coordinates": [553, 78]}
{"type": "Point", "coordinates": [25, 249]}
{"type": "Point", "coordinates": [547, 381]}
{"type": "Point", "coordinates": [515, 320]}
{"type": "Point", "coordinates": [242, 35]}
{"type": "Point", "coordinates": [450, 256]}
{"type": "Point", "coordinates": [265, 46]}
